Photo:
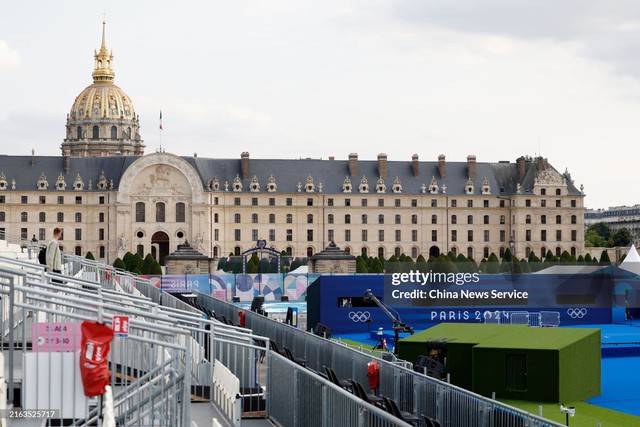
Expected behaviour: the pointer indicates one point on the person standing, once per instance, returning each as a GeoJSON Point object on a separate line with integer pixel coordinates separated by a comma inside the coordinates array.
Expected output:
{"type": "Point", "coordinates": [54, 257]}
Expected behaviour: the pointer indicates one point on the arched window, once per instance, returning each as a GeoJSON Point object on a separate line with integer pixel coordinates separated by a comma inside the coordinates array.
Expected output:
{"type": "Point", "coordinates": [180, 212]}
{"type": "Point", "coordinates": [78, 217]}
{"type": "Point", "coordinates": [309, 218]}
{"type": "Point", "coordinates": [574, 219]}
{"type": "Point", "coordinates": [216, 251]}
{"type": "Point", "coordinates": [573, 251]}
{"type": "Point", "coordinates": [236, 251]}
{"type": "Point", "coordinates": [347, 219]}
{"type": "Point", "coordinates": [289, 250]}
{"type": "Point", "coordinates": [289, 219]}
{"type": "Point", "coordinates": [160, 209]}
{"type": "Point", "coordinates": [24, 217]}
{"type": "Point", "coordinates": [101, 252]}
{"type": "Point", "coordinates": [330, 219]}
{"type": "Point", "coordinates": [414, 252]}
{"type": "Point", "coordinates": [397, 251]}
{"type": "Point", "coordinates": [380, 252]}
{"type": "Point", "coordinates": [216, 218]}
{"type": "Point", "coordinates": [414, 219]}
{"type": "Point", "coordinates": [543, 219]}
{"type": "Point", "coordinates": [114, 132]}
{"type": "Point", "coordinates": [129, 133]}
{"type": "Point", "coordinates": [502, 219]}
{"type": "Point", "coordinates": [527, 219]}
{"type": "Point", "coordinates": [96, 132]}
{"type": "Point", "coordinates": [485, 253]}
{"type": "Point", "coordinates": [469, 252]}
{"type": "Point", "coordinates": [381, 219]}
{"type": "Point", "coordinates": [101, 217]}
{"type": "Point", "coordinates": [140, 212]}
{"type": "Point", "coordinates": [79, 130]}
{"type": "Point", "coordinates": [543, 252]}
{"type": "Point", "coordinates": [434, 219]}
{"type": "Point", "coordinates": [309, 251]}
{"type": "Point", "coordinates": [365, 219]}
{"type": "Point", "coordinates": [558, 251]}
{"type": "Point", "coordinates": [140, 250]}
{"type": "Point", "coordinates": [454, 219]}
{"type": "Point", "coordinates": [254, 218]}
{"type": "Point", "coordinates": [60, 217]}
{"type": "Point", "coordinates": [272, 218]}
{"type": "Point", "coordinates": [558, 219]}
{"type": "Point", "coordinates": [363, 251]}
{"type": "Point", "coordinates": [454, 251]}
{"type": "Point", "coordinates": [469, 219]}
{"type": "Point", "coordinates": [485, 219]}
{"type": "Point", "coordinates": [78, 250]}
{"type": "Point", "coordinates": [398, 219]}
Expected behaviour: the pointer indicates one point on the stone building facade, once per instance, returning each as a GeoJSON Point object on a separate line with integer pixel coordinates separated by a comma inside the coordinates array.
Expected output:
{"type": "Point", "coordinates": [110, 198]}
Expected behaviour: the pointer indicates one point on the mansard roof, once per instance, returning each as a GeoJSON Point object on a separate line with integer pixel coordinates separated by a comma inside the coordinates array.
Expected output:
{"type": "Point", "coordinates": [501, 176]}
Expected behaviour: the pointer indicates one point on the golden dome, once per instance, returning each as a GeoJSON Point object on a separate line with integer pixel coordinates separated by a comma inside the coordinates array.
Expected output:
{"type": "Point", "coordinates": [102, 100]}
{"type": "Point", "coordinates": [102, 121]}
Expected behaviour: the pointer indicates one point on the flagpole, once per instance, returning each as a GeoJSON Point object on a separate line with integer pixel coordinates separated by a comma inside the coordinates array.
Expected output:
{"type": "Point", "coordinates": [160, 131]}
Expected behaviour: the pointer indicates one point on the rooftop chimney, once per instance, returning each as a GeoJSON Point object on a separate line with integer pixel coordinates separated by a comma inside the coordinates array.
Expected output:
{"type": "Point", "coordinates": [414, 165]}
{"type": "Point", "coordinates": [33, 157]}
{"type": "Point", "coordinates": [382, 165]}
{"type": "Point", "coordinates": [521, 167]}
{"type": "Point", "coordinates": [244, 159]}
{"type": "Point", "coordinates": [471, 166]}
{"type": "Point", "coordinates": [332, 158]}
{"type": "Point", "coordinates": [353, 164]}
{"type": "Point", "coordinates": [442, 166]}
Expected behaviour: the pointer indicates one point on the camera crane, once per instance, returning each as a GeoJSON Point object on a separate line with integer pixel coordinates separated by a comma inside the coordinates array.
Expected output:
{"type": "Point", "coordinates": [398, 325]}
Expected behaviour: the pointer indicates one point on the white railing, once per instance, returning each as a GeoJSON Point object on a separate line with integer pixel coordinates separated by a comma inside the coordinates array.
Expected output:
{"type": "Point", "coordinates": [226, 393]}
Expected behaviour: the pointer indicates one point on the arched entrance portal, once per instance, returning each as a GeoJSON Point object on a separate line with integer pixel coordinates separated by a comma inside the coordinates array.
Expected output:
{"type": "Point", "coordinates": [160, 240]}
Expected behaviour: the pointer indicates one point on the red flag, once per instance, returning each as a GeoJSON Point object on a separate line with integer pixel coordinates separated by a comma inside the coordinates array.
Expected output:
{"type": "Point", "coordinates": [161, 120]}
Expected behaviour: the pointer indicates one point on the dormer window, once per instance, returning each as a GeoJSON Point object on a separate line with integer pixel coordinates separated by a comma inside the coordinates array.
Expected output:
{"type": "Point", "coordinates": [215, 184]}
{"type": "Point", "coordinates": [237, 184]}
{"type": "Point", "coordinates": [3, 181]}
{"type": "Point", "coordinates": [42, 182]}
{"type": "Point", "coordinates": [102, 182]}
{"type": "Point", "coordinates": [255, 185]}
{"type": "Point", "coordinates": [346, 185]}
{"type": "Point", "coordinates": [468, 189]}
{"type": "Point", "coordinates": [61, 184]}
{"type": "Point", "coordinates": [397, 186]}
{"type": "Point", "coordinates": [433, 186]}
{"type": "Point", "coordinates": [364, 185]}
{"type": "Point", "coordinates": [380, 186]}
{"type": "Point", "coordinates": [78, 184]}
{"type": "Point", "coordinates": [486, 188]}
{"type": "Point", "coordinates": [271, 185]}
{"type": "Point", "coordinates": [310, 187]}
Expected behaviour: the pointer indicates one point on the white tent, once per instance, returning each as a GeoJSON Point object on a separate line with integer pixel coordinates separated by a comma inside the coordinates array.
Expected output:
{"type": "Point", "coordinates": [632, 261]}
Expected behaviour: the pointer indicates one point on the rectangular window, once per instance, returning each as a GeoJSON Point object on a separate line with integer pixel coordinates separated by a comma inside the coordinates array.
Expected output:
{"type": "Point", "coordinates": [254, 234]}
{"type": "Point", "coordinates": [527, 235]}
{"type": "Point", "coordinates": [434, 203]}
{"type": "Point", "coordinates": [573, 203]}
{"type": "Point", "coordinates": [503, 236]}
{"type": "Point", "coordinates": [60, 217]}
{"type": "Point", "coordinates": [330, 235]}
{"type": "Point", "coordinates": [24, 199]}
{"type": "Point", "coordinates": [558, 203]}
{"type": "Point", "coordinates": [237, 234]}
{"type": "Point", "coordinates": [574, 235]}
{"type": "Point", "coordinates": [470, 236]}
{"type": "Point", "coordinates": [42, 200]}
{"type": "Point", "coordinates": [380, 203]}
{"type": "Point", "coordinates": [310, 202]}
{"type": "Point", "coordinates": [398, 235]}
{"type": "Point", "coordinates": [78, 200]}
{"type": "Point", "coordinates": [216, 234]}
{"type": "Point", "coordinates": [397, 203]}
{"type": "Point", "coordinates": [434, 235]}
{"type": "Point", "coordinates": [558, 235]}
{"type": "Point", "coordinates": [78, 234]}
{"type": "Point", "coordinates": [236, 201]}
{"type": "Point", "coordinates": [365, 235]}
{"type": "Point", "coordinates": [101, 200]}
{"type": "Point", "coordinates": [347, 235]}
{"type": "Point", "coordinates": [160, 211]}
{"type": "Point", "coordinates": [454, 203]}
{"type": "Point", "coordinates": [42, 233]}
{"type": "Point", "coordinates": [101, 234]}
{"type": "Point", "coordinates": [486, 235]}
{"type": "Point", "coordinates": [289, 235]}
{"type": "Point", "coordinates": [3, 199]}
{"type": "Point", "coordinates": [502, 203]}
{"type": "Point", "coordinates": [347, 202]}
{"type": "Point", "coordinates": [272, 201]}
{"type": "Point", "coordinates": [254, 219]}
{"type": "Point", "coordinates": [180, 212]}
{"type": "Point", "coordinates": [454, 235]}
{"type": "Point", "coordinates": [254, 201]}
{"type": "Point", "coordinates": [543, 203]}
{"type": "Point", "coordinates": [414, 235]}
{"type": "Point", "coordinates": [485, 203]}
{"type": "Point", "coordinates": [543, 235]}
{"type": "Point", "coordinates": [527, 203]}
{"type": "Point", "coordinates": [470, 203]}
{"type": "Point", "coordinates": [309, 235]}
{"type": "Point", "coordinates": [289, 201]}
{"type": "Point", "coordinates": [381, 235]}
{"type": "Point", "coordinates": [414, 203]}
{"type": "Point", "coordinates": [23, 233]}
{"type": "Point", "coordinates": [236, 218]}
{"type": "Point", "coordinates": [216, 201]}
{"type": "Point", "coordinates": [398, 219]}
{"type": "Point", "coordinates": [330, 202]}
{"type": "Point", "coordinates": [364, 202]}
{"type": "Point", "coordinates": [42, 217]}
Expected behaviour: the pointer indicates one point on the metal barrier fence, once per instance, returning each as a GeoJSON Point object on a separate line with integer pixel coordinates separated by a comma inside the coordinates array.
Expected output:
{"type": "Point", "coordinates": [307, 399]}
{"type": "Point", "coordinates": [147, 367]}
{"type": "Point", "coordinates": [541, 319]}
{"type": "Point", "coordinates": [414, 392]}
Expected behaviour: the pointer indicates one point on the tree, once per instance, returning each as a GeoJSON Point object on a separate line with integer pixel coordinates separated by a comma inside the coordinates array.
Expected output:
{"type": "Point", "coordinates": [90, 256]}
{"type": "Point", "coordinates": [593, 240]}
{"type": "Point", "coordinates": [604, 258]}
{"type": "Point", "coordinates": [602, 229]}
{"type": "Point", "coordinates": [361, 265]}
{"type": "Point", "coordinates": [565, 257]}
{"type": "Point", "coordinates": [621, 237]}
{"type": "Point", "coordinates": [119, 264]}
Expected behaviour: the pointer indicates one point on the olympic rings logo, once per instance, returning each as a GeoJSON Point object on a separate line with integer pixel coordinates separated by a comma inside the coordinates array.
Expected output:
{"type": "Point", "coordinates": [359, 316]}
{"type": "Point", "coordinates": [577, 313]}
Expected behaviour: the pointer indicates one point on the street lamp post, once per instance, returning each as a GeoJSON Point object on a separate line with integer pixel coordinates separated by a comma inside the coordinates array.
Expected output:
{"type": "Point", "coordinates": [512, 247]}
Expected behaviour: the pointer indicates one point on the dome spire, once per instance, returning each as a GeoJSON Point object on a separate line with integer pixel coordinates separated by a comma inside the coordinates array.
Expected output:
{"type": "Point", "coordinates": [103, 67]}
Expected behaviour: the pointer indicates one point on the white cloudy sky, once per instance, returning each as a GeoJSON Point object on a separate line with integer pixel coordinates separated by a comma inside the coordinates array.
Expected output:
{"type": "Point", "coordinates": [298, 78]}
